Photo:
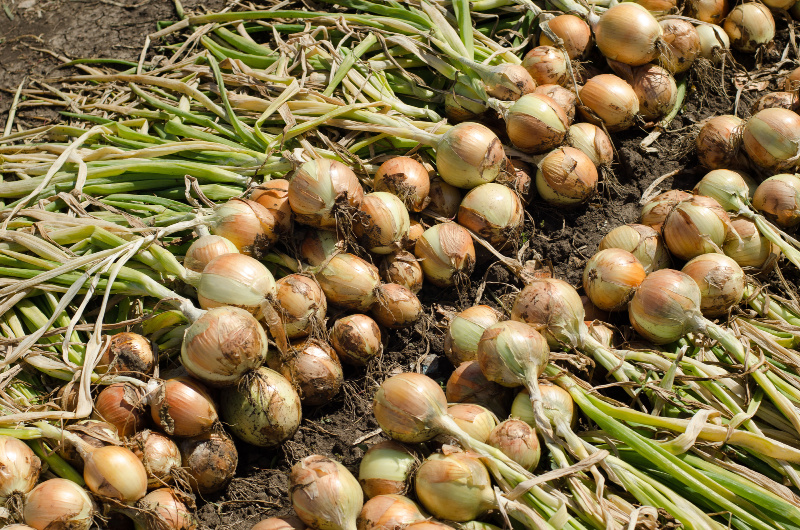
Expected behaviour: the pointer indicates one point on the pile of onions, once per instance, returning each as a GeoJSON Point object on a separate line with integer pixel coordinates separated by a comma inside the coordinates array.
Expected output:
{"type": "Point", "coordinates": [592, 141]}
{"type": "Point", "coordinates": [573, 31]}
{"type": "Point", "coordinates": [206, 248]}
{"type": "Point", "coordinates": [493, 211]}
{"type": "Point", "coordinates": [302, 303]}
{"type": "Point", "coordinates": [314, 369]}
{"type": "Point", "coordinates": [325, 494]}
{"type": "Point", "coordinates": [235, 280]}
{"type": "Point", "coordinates": [349, 282]}
{"type": "Point", "coordinates": [383, 222]}
{"type": "Point", "coordinates": [628, 33]}
{"type": "Point", "coordinates": [397, 307]}
{"type": "Point", "coordinates": [536, 123]}
{"type": "Point", "coordinates": [610, 278]}
{"type": "Point", "coordinates": [640, 240]}
{"type": "Point", "coordinates": [356, 339]}
{"type": "Point", "coordinates": [566, 177]}
{"type": "Point", "coordinates": [274, 196]}
{"type": "Point", "coordinates": [609, 100]}
{"type": "Point", "coordinates": [771, 138]}
{"type": "Point", "coordinates": [718, 142]}
{"type": "Point", "coordinates": [210, 460]}
{"type": "Point", "coordinates": [750, 26]}
{"type": "Point", "coordinates": [721, 281]}
{"type": "Point", "coordinates": [385, 469]}
{"type": "Point", "coordinates": [127, 354]}
{"type": "Point", "coordinates": [447, 254]}
{"type": "Point", "coordinates": [401, 267]}
{"type": "Point", "coordinates": [407, 179]}
{"type": "Point", "coordinates": [547, 65]}
{"type": "Point", "coordinates": [183, 407]}
{"type": "Point", "coordinates": [469, 154]}
{"type": "Point", "coordinates": [321, 189]}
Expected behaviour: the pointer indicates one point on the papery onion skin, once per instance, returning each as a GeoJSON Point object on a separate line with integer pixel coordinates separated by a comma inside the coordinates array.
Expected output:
{"type": "Point", "coordinates": [474, 419]}
{"type": "Point", "coordinates": [206, 248]}
{"type": "Point", "coordinates": [696, 226]}
{"type": "Point", "coordinates": [468, 384]}
{"type": "Point", "coordinates": [166, 505]}
{"type": "Point", "coordinates": [456, 487]}
{"type": "Point", "coordinates": [565, 98]}
{"type": "Point", "coordinates": [510, 353]}
{"type": "Point", "coordinates": [415, 229]}
{"type": "Point", "coordinates": [382, 224]}
{"type": "Point", "coordinates": [274, 196]}
{"type": "Point", "coordinates": [749, 26]}
{"type": "Point", "coordinates": [407, 179]}
{"type": "Point", "coordinates": [662, 308]}
{"type": "Point", "coordinates": [711, 11]}
{"type": "Point", "coordinates": [385, 469]}
{"type": "Point", "coordinates": [556, 404]}
{"type": "Point", "coordinates": [731, 189]}
{"type": "Point", "coordinates": [469, 154]}
{"type": "Point", "coordinates": [445, 199]}
{"type": "Point", "coordinates": [464, 332]}
{"type": "Point", "coordinates": [771, 139]}
{"type": "Point", "coordinates": [405, 406]}
{"type": "Point", "coordinates": [314, 369]}
{"type": "Point", "coordinates": [610, 278]}
{"type": "Point", "coordinates": [280, 523]}
{"type": "Point", "coordinates": [121, 405]}
{"type": "Point", "coordinates": [508, 82]}
{"type": "Point", "coordinates": [127, 354]}
{"type": "Point", "coordinates": [397, 307]}
{"type": "Point", "coordinates": [95, 433]}
{"type": "Point", "coordinates": [593, 142]}
{"type": "Point", "coordinates": [462, 103]}
{"type": "Point", "coordinates": [388, 511]}
{"type": "Point", "coordinates": [446, 253]}
{"type": "Point", "coordinates": [656, 90]}
{"type": "Point", "coordinates": [566, 177]}
{"type": "Point", "coordinates": [536, 123]}
{"type": "Point", "coordinates": [778, 198]}
{"type": "Point", "coordinates": [494, 212]}
{"type": "Point", "coordinates": [59, 503]}
{"type": "Point", "coordinates": [356, 339]}
{"type": "Point", "coordinates": [683, 45]}
{"type": "Point", "coordinates": [656, 210]}
{"type": "Point", "coordinates": [518, 441]}
{"type": "Point", "coordinates": [518, 176]}
{"type": "Point", "coordinates": [115, 472]}
{"type": "Point", "coordinates": [235, 280]}
{"type": "Point", "coordinates": [609, 100]}
{"type": "Point", "coordinates": [210, 459]}
{"type": "Point", "coordinates": [714, 42]}
{"type": "Point", "coordinates": [246, 224]}
{"type": "Point", "coordinates": [319, 245]}
{"type": "Point", "coordinates": [781, 100]}
{"type": "Point", "coordinates": [721, 281]}
{"type": "Point", "coordinates": [552, 306]}
{"type": "Point", "coordinates": [320, 188]}
{"type": "Point", "coordinates": [628, 33]}
{"type": "Point", "coordinates": [159, 454]}
{"type": "Point", "coordinates": [748, 247]}
{"type": "Point", "coordinates": [303, 304]}
{"type": "Point", "coordinates": [574, 31]}
{"type": "Point", "coordinates": [402, 267]}
{"type": "Point", "coordinates": [19, 468]}
{"type": "Point", "coordinates": [183, 407]}
{"type": "Point", "coordinates": [547, 65]}
{"type": "Point", "coordinates": [642, 241]}
{"type": "Point", "coordinates": [718, 142]}
{"type": "Point", "coordinates": [324, 494]}
{"type": "Point", "coordinates": [349, 282]}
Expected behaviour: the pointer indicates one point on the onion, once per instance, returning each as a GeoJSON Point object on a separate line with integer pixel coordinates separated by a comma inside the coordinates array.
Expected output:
{"type": "Point", "coordinates": [566, 99]}
{"type": "Point", "coordinates": [397, 307]}
{"type": "Point", "coordinates": [409, 406]}
{"type": "Point", "coordinates": [467, 384]}
{"type": "Point", "coordinates": [235, 280]}
{"type": "Point", "coordinates": [126, 354]}
{"type": "Point", "coordinates": [792, 81]}
{"type": "Point", "coordinates": [456, 487]}
{"type": "Point", "coordinates": [94, 433]}
{"type": "Point", "coordinates": [121, 405]}
{"type": "Point", "coordinates": [222, 345]}
{"type": "Point", "coordinates": [447, 254]}
{"type": "Point", "coordinates": [210, 459]}
{"type": "Point", "coordinates": [518, 441]}
{"type": "Point", "coordinates": [536, 123]}
{"type": "Point", "coordinates": [641, 241]}
{"type": "Point", "coordinates": [382, 224]}
{"type": "Point", "coordinates": [609, 100]}
{"type": "Point", "coordinates": [428, 525]}
{"type": "Point", "coordinates": [731, 189]}
{"type": "Point", "coordinates": [357, 339]}
{"type": "Point", "coordinates": [303, 304]}
{"type": "Point", "coordinates": [566, 177]}
{"type": "Point", "coordinates": [610, 278]}
{"type": "Point", "coordinates": [263, 410]}
{"type": "Point", "coordinates": [313, 368]}
{"type": "Point", "coordinates": [721, 281]}
{"type": "Point", "coordinates": [778, 198]}
{"type": "Point", "coordinates": [547, 65]}
{"type": "Point", "coordinates": [415, 228]}
{"type": "Point", "coordinates": [748, 247]}
{"type": "Point", "coordinates": [493, 211]}
{"type": "Point", "coordinates": [749, 26]}
{"type": "Point", "coordinates": [183, 407]}
{"type": "Point", "coordinates": [771, 139]}
{"type": "Point", "coordinates": [655, 212]}
{"type": "Point", "coordinates": [601, 333]}
{"type": "Point", "coordinates": [659, 310]}
{"type": "Point", "coordinates": [696, 226]}
{"type": "Point", "coordinates": [469, 154]}
{"type": "Point", "coordinates": [462, 103]}
{"type": "Point", "coordinates": [445, 199]}
{"type": "Point", "coordinates": [280, 523]}
{"type": "Point", "coordinates": [407, 179]}
{"type": "Point", "coordinates": [718, 142]}
{"type": "Point", "coordinates": [385, 469]}
{"type": "Point", "coordinates": [274, 196]}
{"type": "Point", "coordinates": [206, 248]}
{"type": "Point", "coordinates": [59, 503]}
{"type": "Point", "coordinates": [246, 224]}
{"type": "Point", "coordinates": [714, 42]}
{"type": "Point", "coordinates": [683, 45]}
{"type": "Point", "coordinates": [518, 177]}
{"type": "Point", "coordinates": [160, 456]}
{"type": "Point", "coordinates": [656, 90]}
{"type": "Point", "coordinates": [464, 332]}
{"type": "Point", "coordinates": [349, 282]}
{"type": "Point", "coordinates": [711, 11]}
{"type": "Point", "coordinates": [506, 81]}
{"type": "Point", "coordinates": [475, 420]}
{"type": "Point", "coordinates": [319, 245]}
{"type": "Point", "coordinates": [575, 33]}
{"type": "Point", "coordinates": [401, 267]}
{"type": "Point", "coordinates": [628, 33]}
{"type": "Point", "coordinates": [593, 142]}
{"type": "Point", "coordinates": [115, 472]}
{"type": "Point", "coordinates": [781, 100]}
{"type": "Point", "coordinates": [387, 512]}
{"type": "Point", "coordinates": [169, 510]}
{"type": "Point", "coordinates": [19, 468]}
{"type": "Point", "coordinates": [323, 189]}
{"type": "Point", "coordinates": [324, 494]}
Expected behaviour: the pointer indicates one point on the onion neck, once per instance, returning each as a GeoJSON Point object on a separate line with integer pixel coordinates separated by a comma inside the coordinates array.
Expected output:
{"type": "Point", "coordinates": [54, 433]}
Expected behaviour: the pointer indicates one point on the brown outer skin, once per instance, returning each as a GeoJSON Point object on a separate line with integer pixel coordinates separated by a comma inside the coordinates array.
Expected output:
{"type": "Point", "coordinates": [467, 384]}
{"type": "Point", "coordinates": [314, 370]}
{"type": "Point", "coordinates": [347, 338]}
{"type": "Point", "coordinates": [445, 199]}
{"type": "Point", "coordinates": [190, 423]}
{"type": "Point", "coordinates": [123, 411]}
{"type": "Point", "coordinates": [383, 486]}
{"type": "Point", "coordinates": [393, 175]}
{"type": "Point", "coordinates": [663, 203]}
{"type": "Point", "coordinates": [719, 141]}
{"type": "Point", "coordinates": [274, 196]}
{"type": "Point", "coordinates": [683, 45]}
{"type": "Point", "coordinates": [575, 177]}
{"type": "Point", "coordinates": [127, 354]}
{"type": "Point", "coordinates": [298, 284]}
{"type": "Point", "coordinates": [259, 232]}
{"type": "Point", "coordinates": [397, 307]}
{"type": "Point", "coordinates": [784, 123]}
{"type": "Point", "coordinates": [452, 238]}
{"type": "Point", "coordinates": [781, 100]}
{"type": "Point", "coordinates": [402, 268]}
{"type": "Point", "coordinates": [388, 511]}
{"type": "Point", "coordinates": [211, 461]}
{"type": "Point", "coordinates": [347, 189]}
{"type": "Point", "coordinates": [565, 98]}
{"type": "Point", "coordinates": [280, 523]}
{"type": "Point", "coordinates": [532, 135]}
{"type": "Point", "coordinates": [497, 235]}
{"type": "Point", "coordinates": [574, 31]}
{"type": "Point", "coordinates": [777, 200]}
{"type": "Point", "coordinates": [539, 62]}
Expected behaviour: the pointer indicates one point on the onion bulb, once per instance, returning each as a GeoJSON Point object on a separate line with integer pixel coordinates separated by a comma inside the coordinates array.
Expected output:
{"type": "Point", "coordinates": [235, 280]}
{"type": "Point", "coordinates": [696, 226]}
{"type": "Point", "coordinates": [778, 198]}
{"type": "Point", "coordinates": [447, 254]}
{"type": "Point", "coordinates": [467, 384]}
{"type": "Point", "coordinates": [357, 339]}
{"type": "Point", "coordinates": [714, 42]}
{"type": "Point", "coordinates": [246, 224]}
{"type": "Point", "coordinates": [445, 198]}
{"type": "Point", "coordinates": [415, 228]}
{"type": "Point", "coordinates": [565, 98]}
{"type": "Point", "coordinates": [771, 139]}
{"type": "Point", "coordinates": [718, 142]}
{"type": "Point", "coordinates": [405, 178]}
{"type": "Point", "coordinates": [731, 189]}
{"type": "Point", "coordinates": [303, 304]}
{"type": "Point", "coordinates": [115, 472]}
{"type": "Point", "coordinates": [206, 248]}
{"type": "Point", "coordinates": [658, 7]}
{"type": "Point", "coordinates": [547, 65]}
{"type": "Point", "coordinates": [656, 210]}
{"type": "Point", "coordinates": [127, 354]}
{"type": "Point", "coordinates": [656, 90]}
{"type": "Point", "coordinates": [319, 245]}
{"type": "Point", "coordinates": [782, 100]}
{"type": "Point", "coordinates": [165, 505]}
{"type": "Point", "coordinates": [427, 525]}
{"type": "Point", "coordinates": [721, 281]}
{"type": "Point", "coordinates": [349, 282]}
{"type": "Point", "coordinates": [610, 278]}
{"type": "Point", "coordinates": [408, 406]}
{"type": "Point", "coordinates": [19, 468]}
{"type": "Point", "coordinates": [323, 189]}
{"type": "Point", "coordinates": [210, 459]}
{"type": "Point", "coordinates": [682, 45]}
{"type": "Point", "coordinates": [389, 511]}
{"type": "Point", "coordinates": [749, 26]}
{"type": "Point", "coordinates": [59, 503]}
{"type": "Point", "coordinates": [518, 441]}
{"type": "Point", "coordinates": [519, 178]}
{"type": "Point", "coordinates": [792, 81]}
{"type": "Point", "coordinates": [574, 31]}
{"type": "Point", "coordinates": [280, 523]}
{"type": "Point", "coordinates": [536, 123]}
{"type": "Point", "coordinates": [469, 154]}
{"type": "Point", "coordinates": [493, 211]}
{"type": "Point", "coordinates": [274, 196]}
{"type": "Point", "coordinates": [593, 142]}
{"type": "Point", "coordinates": [609, 100]}
{"type": "Point", "coordinates": [121, 405]}
{"type": "Point", "coordinates": [477, 421]}
{"type": "Point", "coordinates": [456, 487]}
{"type": "Point", "coordinates": [382, 223]}
{"type": "Point", "coordinates": [94, 433]}
{"type": "Point", "coordinates": [397, 307]}
{"type": "Point", "coordinates": [566, 177]}
{"type": "Point", "coordinates": [385, 469]}
{"type": "Point", "coordinates": [462, 103]}
{"type": "Point", "coordinates": [506, 81]}
{"type": "Point", "coordinates": [159, 454]}
{"type": "Point", "coordinates": [748, 247]}
{"type": "Point", "coordinates": [324, 494]}
{"type": "Point", "coordinates": [512, 353]}
{"type": "Point", "coordinates": [628, 33]}
{"type": "Point", "coordinates": [641, 241]}
{"type": "Point", "coordinates": [401, 267]}
{"type": "Point", "coordinates": [464, 332]}
{"type": "Point", "coordinates": [711, 11]}
{"type": "Point", "coordinates": [183, 407]}
{"type": "Point", "coordinates": [313, 368]}
{"type": "Point", "coordinates": [662, 308]}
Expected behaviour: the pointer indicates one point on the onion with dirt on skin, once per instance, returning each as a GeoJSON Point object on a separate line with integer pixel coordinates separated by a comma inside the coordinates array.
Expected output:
{"type": "Point", "coordinates": [492, 211]}
{"type": "Point", "coordinates": [388, 512]}
{"type": "Point", "coordinates": [518, 441]}
{"type": "Point", "coordinates": [536, 123]}
{"type": "Point", "coordinates": [609, 100]}
{"type": "Point", "coordinates": [322, 190]}
{"type": "Point", "coordinates": [547, 65]}
{"type": "Point", "coordinates": [324, 494]}
{"type": "Point", "coordinates": [721, 281]}
{"type": "Point", "coordinates": [573, 31]}
{"type": "Point", "coordinates": [566, 177]}
{"type": "Point", "coordinates": [313, 368]}
{"type": "Point", "coordinates": [386, 469]}
{"type": "Point", "coordinates": [349, 282]}
{"type": "Point", "coordinates": [628, 33]}
{"type": "Point", "coordinates": [235, 280]}
{"type": "Point", "coordinates": [183, 407]}
{"type": "Point", "coordinates": [19, 468]}
{"type": "Point", "coordinates": [126, 354]}
{"type": "Point", "coordinates": [59, 503]}
{"type": "Point", "coordinates": [714, 42]}
{"type": "Point", "coordinates": [656, 90]}
{"type": "Point", "coordinates": [464, 332]}
{"type": "Point", "coordinates": [469, 154]}
{"type": "Point", "coordinates": [446, 254]}
{"type": "Point", "coordinates": [245, 223]}
{"type": "Point", "coordinates": [778, 198]}
{"type": "Point", "coordinates": [749, 26]}
{"type": "Point", "coordinates": [711, 11]}
{"type": "Point", "coordinates": [468, 384]}
{"type": "Point", "coordinates": [640, 240]}
{"type": "Point", "coordinates": [165, 505]}
{"type": "Point", "coordinates": [405, 178]}
{"type": "Point", "coordinates": [477, 421]}
{"type": "Point", "coordinates": [280, 523]}
{"type": "Point", "coordinates": [397, 307]}
{"type": "Point", "coordinates": [274, 196]}
{"type": "Point", "coordinates": [610, 277]}
{"type": "Point", "coordinates": [160, 456]}
{"type": "Point", "coordinates": [382, 224]}
{"type": "Point", "coordinates": [302, 305]}
{"type": "Point", "coordinates": [518, 177]}
{"type": "Point", "coordinates": [206, 248]}
{"type": "Point", "coordinates": [356, 339]}
{"type": "Point", "coordinates": [592, 141]}
{"type": "Point", "coordinates": [445, 199]}
{"type": "Point", "coordinates": [210, 459]}
{"type": "Point", "coordinates": [656, 210]}
{"type": "Point", "coordinates": [401, 267]}
{"type": "Point", "coordinates": [121, 405]}
{"type": "Point", "coordinates": [682, 45]}
{"type": "Point", "coordinates": [771, 139]}
{"type": "Point", "coordinates": [696, 226]}
{"type": "Point", "coordinates": [506, 81]}
{"type": "Point", "coordinates": [719, 141]}
{"type": "Point", "coordinates": [781, 100]}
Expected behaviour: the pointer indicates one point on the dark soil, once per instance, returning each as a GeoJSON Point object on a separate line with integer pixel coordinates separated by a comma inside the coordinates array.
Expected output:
{"type": "Point", "coordinates": [563, 238]}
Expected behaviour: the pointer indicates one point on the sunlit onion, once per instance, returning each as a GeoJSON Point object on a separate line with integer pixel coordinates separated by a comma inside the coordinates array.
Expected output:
{"type": "Point", "coordinates": [121, 405]}
{"type": "Point", "coordinates": [493, 211]}
{"type": "Point", "coordinates": [397, 307]}
{"type": "Point", "coordinates": [349, 282]}
{"type": "Point", "coordinates": [721, 281]}
{"type": "Point", "coordinates": [476, 420]}
{"type": "Point", "coordinates": [322, 189]}
{"type": "Point", "coordinates": [356, 339]}
{"type": "Point", "coordinates": [467, 384]}
{"type": "Point", "coordinates": [593, 142]}
{"type": "Point", "coordinates": [575, 33]}
{"type": "Point", "coordinates": [749, 26]}
{"type": "Point", "coordinates": [303, 304]}
{"type": "Point", "coordinates": [324, 494]}
{"type": "Point", "coordinates": [447, 254]}
{"type": "Point", "coordinates": [210, 459]}
{"type": "Point", "coordinates": [609, 100]}
{"type": "Point", "coordinates": [402, 268]}
{"type": "Point", "coordinates": [565, 98]}
{"type": "Point", "coordinates": [714, 42]}
{"type": "Point", "coordinates": [536, 123]}
{"type": "Point", "coordinates": [385, 469]}
{"type": "Point", "coordinates": [382, 223]}
{"type": "Point", "coordinates": [566, 177]}
{"type": "Point", "coordinates": [115, 472]}
{"type": "Point", "coordinates": [456, 487]}
{"type": "Point", "coordinates": [274, 196]}
{"type": "Point", "coordinates": [748, 247]}
{"type": "Point", "coordinates": [445, 199]}
{"type": "Point", "coordinates": [127, 354]}
{"type": "Point", "coordinates": [165, 505]}
{"type": "Point", "coordinates": [718, 142]}
{"type": "Point", "coordinates": [518, 441]}
{"type": "Point", "coordinates": [407, 179]}
{"type": "Point", "coordinates": [389, 511]}
{"type": "Point", "coordinates": [464, 332]}
{"type": "Point", "coordinates": [696, 226]}
{"type": "Point", "coordinates": [656, 90]}
{"type": "Point", "coordinates": [781, 100]}
{"type": "Point", "coordinates": [159, 454]}
{"type": "Point", "coordinates": [19, 468]}
{"type": "Point", "coordinates": [469, 154]}
{"type": "Point", "coordinates": [610, 278]}
{"type": "Point", "coordinates": [57, 503]}
{"type": "Point", "coordinates": [206, 248]}
{"type": "Point", "coordinates": [641, 241]}
{"type": "Point", "coordinates": [314, 369]}
{"type": "Point", "coordinates": [280, 523]}
{"type": "Point", "coordinates": [656, 210]}
{"type": "Point", "coordinates": [711, 11]}
{"type": "Point", "coordinates": [246, 224]}
{"type": "Point", "coordinates": [547, 65]}
{"type": "Point", "coordinates": [235, 280]}
{"type": "Point", "coordinates": [628, 33]}
{"type": "Point", "coordinates": [682, 45]}
{"type": "Point", "coordinates": [778, 198]}
{"type": "Point", "coordinates": [183, 407]}
{"type": "Point", "coordinates": [771, 138]}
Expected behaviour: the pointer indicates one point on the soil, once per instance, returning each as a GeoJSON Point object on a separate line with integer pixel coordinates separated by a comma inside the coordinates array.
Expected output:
{"type": "Point", "coordinates": [565, 239]}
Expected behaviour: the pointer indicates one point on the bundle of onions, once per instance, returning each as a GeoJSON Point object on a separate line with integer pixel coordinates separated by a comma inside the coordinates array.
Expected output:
{"type": "Point", "coordinates": [573, 31]}
{"type": "Point", "coordinates": [58, 503]}
{"type": "Point", "coordinates": [121, 405]}
{"type": "Point", "coordinates": [475, 420]}
{"type": "Point", "coordinates": [324, 494]}
{"type": "Point", "coordinates": [389, 511]}
{"type": "Point", "coordinates": [656, 210]}
{"type": "Point", "coordinates": [518, 177]}
{"type": "Point", "coordinates": [682, 45]}
{"type": "Point", "coordinates": [592, 141]}
{"type": "Point", "coordinates": [468, 384]}
{"type": "Point", "coordinates": [322, 189]}
{"type": "Point", "coordinates": [246, 224]}
{"type": "Point", "coordinates": [783, 100]}
{"type": "Point", "coordinates": [397, 307]}
{"type": "Point", "coordinates": [274, 196]}
{"type": "Point", "coordinates": [20, 469]}
{"type": "Point", "coordinates": [714, 42]}
{"type": "Point", "coordinates": [748, 247]}
{"type": "Point", "coordinates": [718, 142]}
{"type": "Point", "coordinates": [170, 511]}
{"type": "Point", "coordinates": [407, 179]}
{"type": "Point", "coordinates": [464, 332]}
{"type": "Point", "coordinates": [536, 123]}
{"type": "Point", "coordinates": [280, 523]}
{"type": "Point", "coordinates": [93, 432]}
{"type": "Point", "coordinates": [711, 11]}
{"type": "Point", "coordinates": [204, 249]}
{"type": "Point", "coordinates": [656, 90]}
{"type": "Point", "coordinates": [566, 177]}
{"type": "Point", "coordinates": [628, 33]}
{"type": "Point", "coordinates": [183, 407]}
{"type": "Point", "coordinates": [349, 281]}
{"type": "Point", "coordinates": [314, 369]}
{"type": "Point", "coordinates": [641, 241]}
{"type": "Point", "coordinates": [696, 226]}
{"type": "Point", "coordinates": [778, 197]}
{"type": "Point", "coordinates": [547, 65]}
{"type": "Point", "coordinates": [303, 304]}
{"type": "Point", "coordinates": [721, 281]}
{"type": "Point", "coordinates": [235, 280]}
{"type": "Point", "coordinates": [518, 441]}
{"type": "Point", "coordinates": [385, 469]}
{"type": "Point", "coordinates": [493, 211]}
{"type": "Point", "coordinates": [319, 245]}
{"type": "Point", "coordinates": [127, 354]}
{"type": "Point", "coordinates": [210, 460]}
{"type": "Point", "coordinates": [462, 103]}
{"type": "Point", "coordinates": [222, 345]}
{"type": "Point", "coordinates": [356, 339]}
{"type": "Point", "coordinates": [445, 198]}
{"type": "Point", "coordinates": [771, 138]}
{"type": "Point", "coordinates": [750, 26]}
{"type": "Point", "coordinates": [160, 456]}
{"type": "Point", "coordinates": [401, 267]}
{"type": "Point", "coordinates": [263, 410]}
{"type": "Point", "coordinates": [609, 100]}
{"type": "Point", "coordinates": [469, 154]}
{"type": "Point", "coordinates": [610, 278]}
{"type": "Point", "coordinates": [447, 254]}
{"type": "Point", "coordinates": [382, 224]}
